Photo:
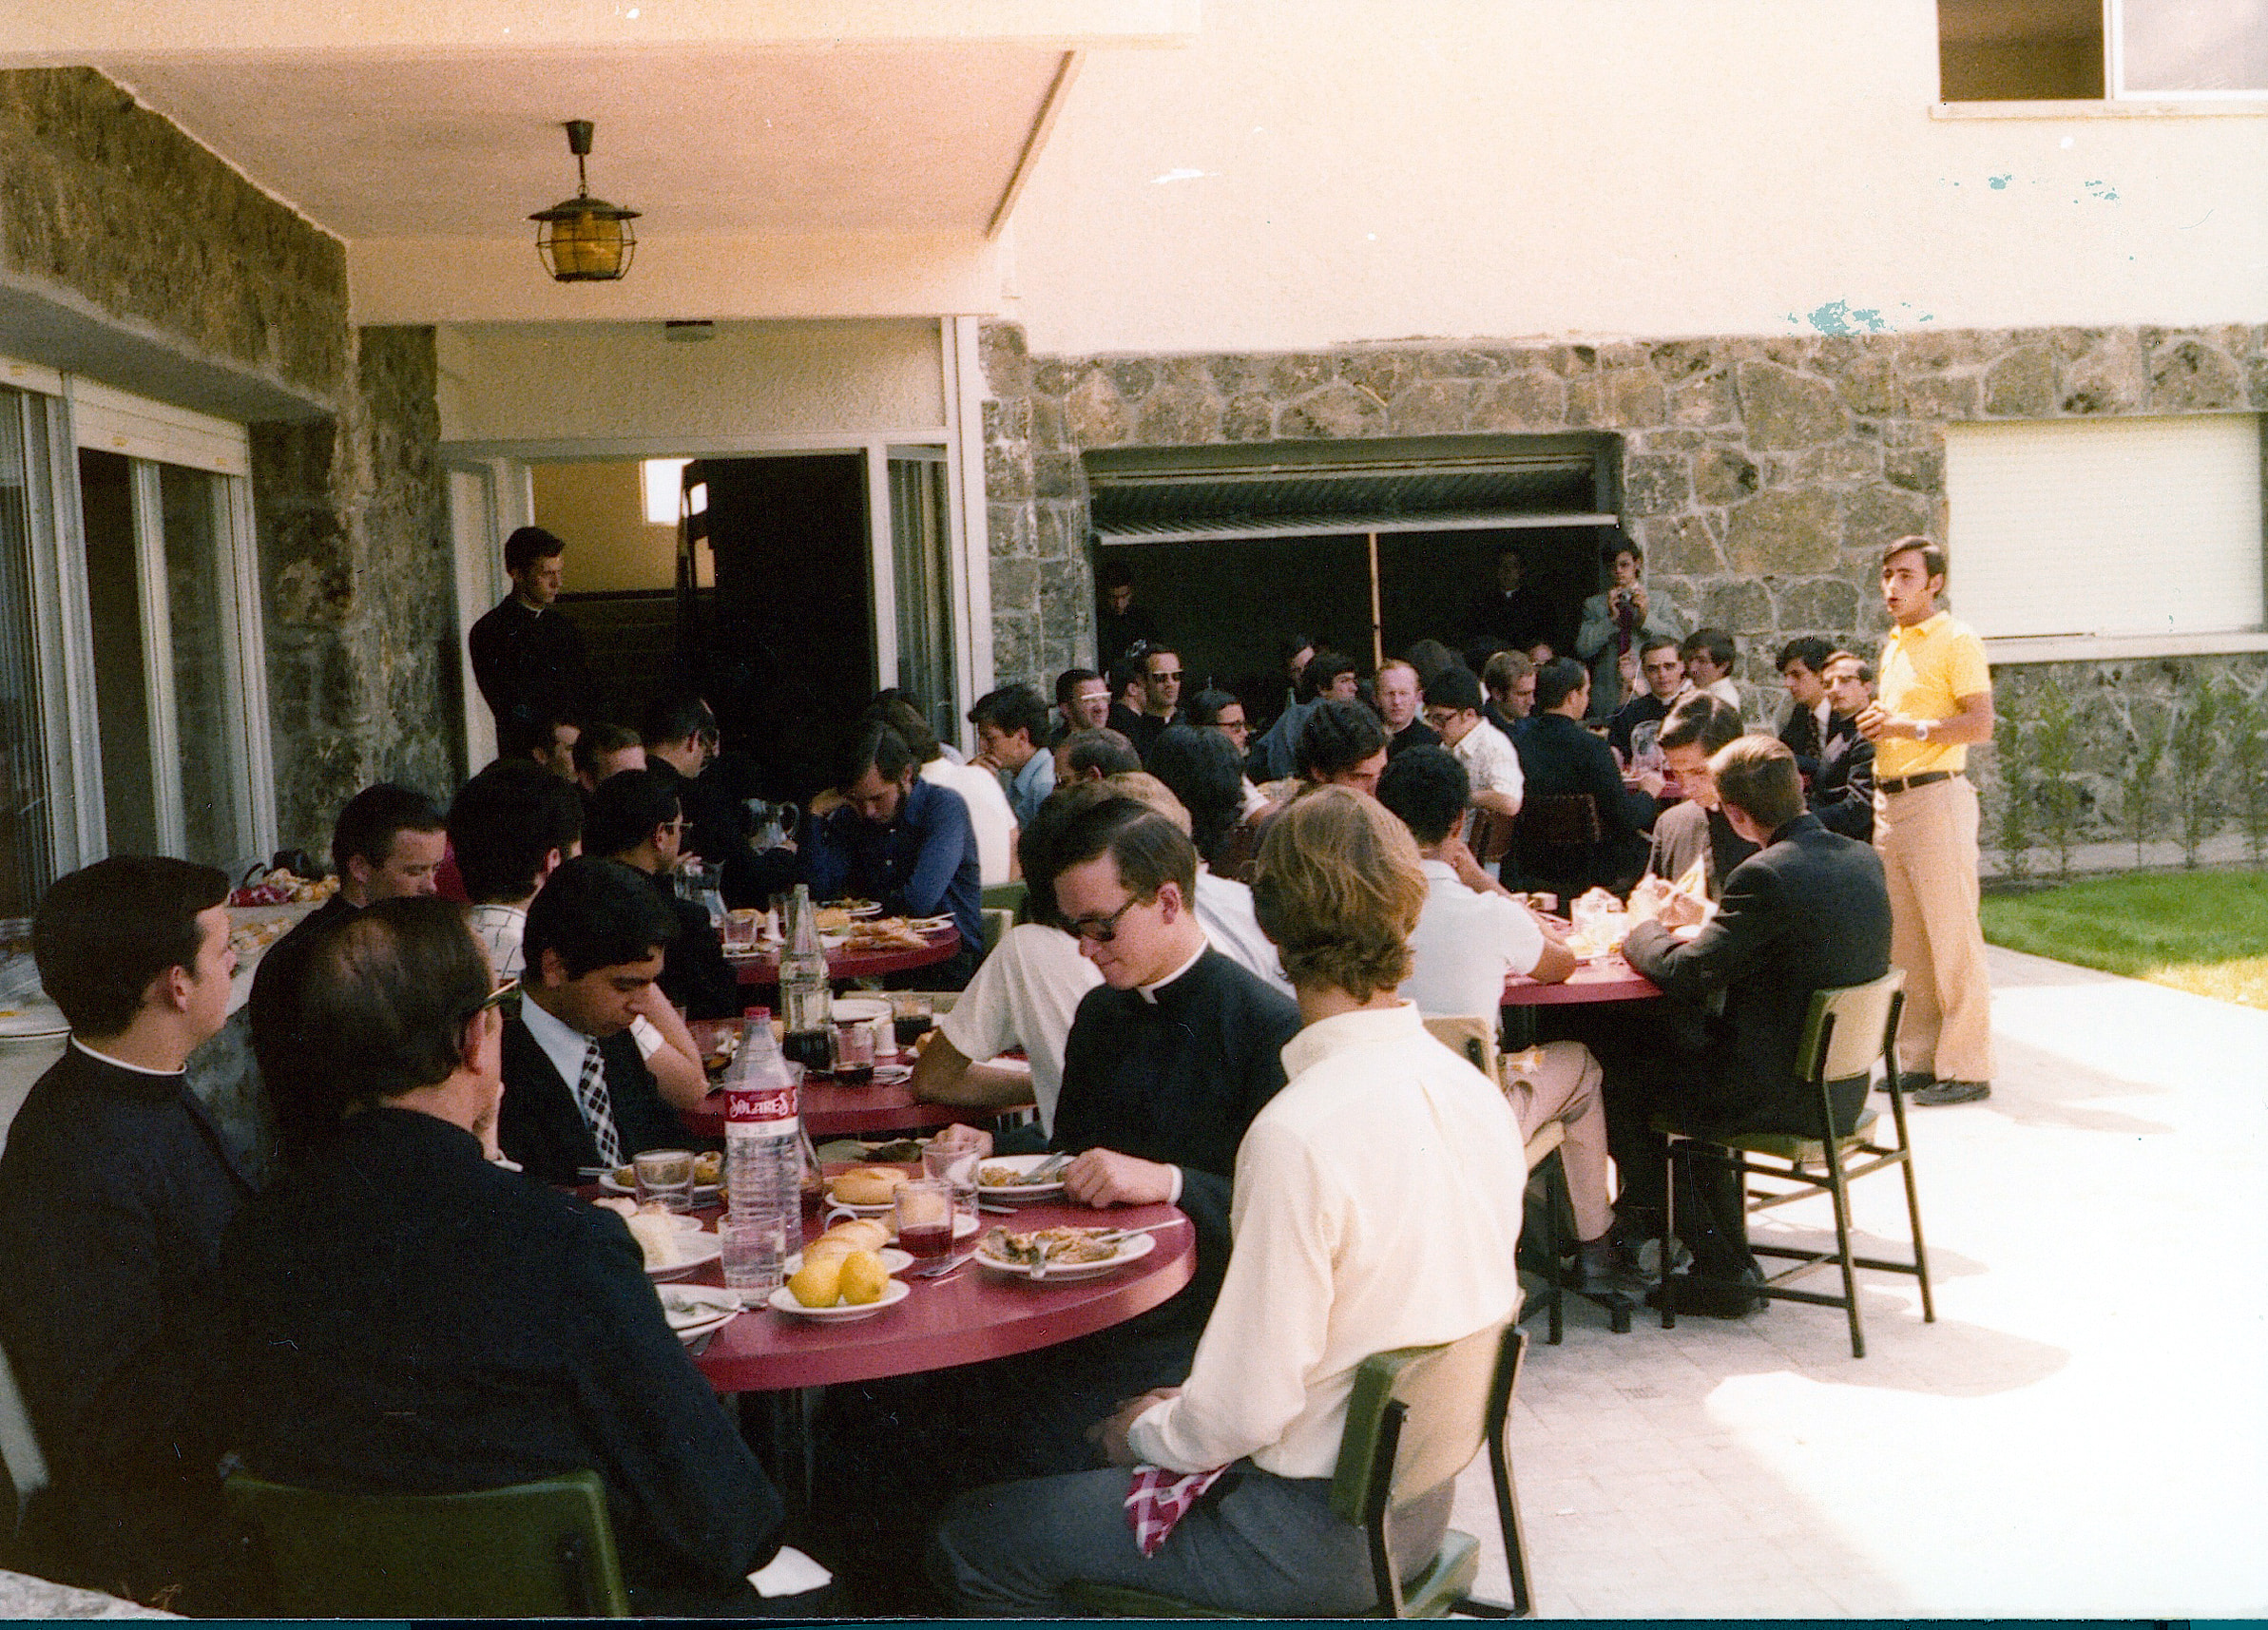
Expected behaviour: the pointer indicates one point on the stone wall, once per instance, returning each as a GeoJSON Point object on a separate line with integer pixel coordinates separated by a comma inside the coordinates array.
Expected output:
{"type": "Point", "coordinates": [111, 215]}
{"type": "Point", "coordinates": [1762, 475]}
{"type": "Point", "coordinates": [359, 585]}
{"type": "Point", "coordinates": [107, 202]}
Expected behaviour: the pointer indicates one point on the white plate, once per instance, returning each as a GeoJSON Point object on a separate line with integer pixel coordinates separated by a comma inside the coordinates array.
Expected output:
{"type": "Point", "coordinates": [33, 1020]}
{"type": "Point", "coordinates": [859, 1010]}
{"type": "Point", "coordinates": [1131, 1250]}
{"type": "Point", "coordinates": [927, 925]}
{"type": "Point", "coordinates": [893, 1260]}
{"type": "Point", "coordinates": [892, 1075]}
{"type": "Point", "coordinates": [1015, 1191]}
{"type": "Point", "coordinates": [783, 1300]}
{"type": "Point", "coordinates": [693, 1308]}
{"type": "Point", "coordinates": [700, 1191]}
{"type": "Point", "coordinates": [695, 1250]}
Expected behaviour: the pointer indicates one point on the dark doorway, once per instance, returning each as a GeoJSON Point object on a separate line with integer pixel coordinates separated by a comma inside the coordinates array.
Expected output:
{"type": "Point", "coordinates": [784, 647]}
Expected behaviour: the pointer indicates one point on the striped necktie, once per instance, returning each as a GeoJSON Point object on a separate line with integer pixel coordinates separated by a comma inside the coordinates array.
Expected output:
{"type": "Point", "coordinates": [598, 1109]}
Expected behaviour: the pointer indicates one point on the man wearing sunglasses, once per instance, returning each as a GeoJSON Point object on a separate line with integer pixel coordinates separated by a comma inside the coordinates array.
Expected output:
{"type": "Point", "coordinates": [1165, 1066]}
{"type": "Point", "coordinates": [1160, 697]}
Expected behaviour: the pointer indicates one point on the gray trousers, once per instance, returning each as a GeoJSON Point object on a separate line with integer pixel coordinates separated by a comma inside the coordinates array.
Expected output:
{"type": "Point", "coordinates": [1269, 1545]}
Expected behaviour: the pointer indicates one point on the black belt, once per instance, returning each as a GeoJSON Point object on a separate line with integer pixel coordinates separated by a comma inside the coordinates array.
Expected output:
{"type": "Point", "coordinates": [1928, 778]}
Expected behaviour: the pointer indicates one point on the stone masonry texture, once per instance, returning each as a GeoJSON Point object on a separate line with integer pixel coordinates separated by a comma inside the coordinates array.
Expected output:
{"type": "Point", "coordinates": [1760, 475]}
{"type": "Point", "coordinates": [108, 206]}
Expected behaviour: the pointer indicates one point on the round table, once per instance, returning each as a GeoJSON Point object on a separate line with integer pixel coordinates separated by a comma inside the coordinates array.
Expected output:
{"type": "Point", "coordinates": [832, 1110]}
{"type": "Point", "coordinates": [1609, 979]}
{"type": "Point", "coordinates": [845, 963]}
{"type": "Point", "coordinates": [972, 1315]}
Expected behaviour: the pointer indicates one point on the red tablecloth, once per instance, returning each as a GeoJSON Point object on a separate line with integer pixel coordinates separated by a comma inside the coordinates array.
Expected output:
{"type": "Point", "coordinates": [1609, 980]}
{"type": "Point", "coordinates": [975, 1314]}
{"type": "Point", "coordinates": [844, 963]}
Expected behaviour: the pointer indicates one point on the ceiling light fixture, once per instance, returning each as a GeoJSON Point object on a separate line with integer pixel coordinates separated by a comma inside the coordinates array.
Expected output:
{"type": "Point", "coordinates": [585, 239]}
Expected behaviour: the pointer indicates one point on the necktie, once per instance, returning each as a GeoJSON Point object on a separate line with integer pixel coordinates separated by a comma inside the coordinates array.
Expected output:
{"type": "Point", "coordinates": [598, 1110]}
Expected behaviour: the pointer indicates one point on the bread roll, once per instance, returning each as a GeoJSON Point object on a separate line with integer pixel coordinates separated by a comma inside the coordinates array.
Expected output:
{"type": "Point", "coordinates": [863, 1234]}
{"type": "Point", "coordinates": [656, 1235]}
{"type": "Point", "coordinates": [868, 1185]}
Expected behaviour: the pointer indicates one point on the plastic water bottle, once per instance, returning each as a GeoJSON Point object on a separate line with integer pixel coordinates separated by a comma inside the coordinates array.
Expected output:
{"type": "Point", "coordinates": [764, 1162]}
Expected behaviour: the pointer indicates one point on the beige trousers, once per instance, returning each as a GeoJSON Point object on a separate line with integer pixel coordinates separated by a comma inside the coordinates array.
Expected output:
{"type": "Point", "coordinates": [1927, 838]}
{"type": "Point", "coordinates": [1559, 1082]}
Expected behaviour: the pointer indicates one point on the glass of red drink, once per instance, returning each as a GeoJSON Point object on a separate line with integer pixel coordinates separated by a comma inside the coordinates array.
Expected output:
{"type": "Point", "coordinates": [925, 1217]}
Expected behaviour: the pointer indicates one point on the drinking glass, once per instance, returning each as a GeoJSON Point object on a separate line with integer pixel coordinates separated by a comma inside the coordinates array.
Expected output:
{"type": "Point", "coordinates": [956, 1167]}
{"type": "Point", "coordinates": [910, 1017]}
{"type": "Point", "coordinates": [925, 1217]}
{"type": "Point", "coordinates": [853, 1052]}
{"type": "Point", "coordinates": [666, 1175]}
{"type": "Point", "coordinates": [740, 930]}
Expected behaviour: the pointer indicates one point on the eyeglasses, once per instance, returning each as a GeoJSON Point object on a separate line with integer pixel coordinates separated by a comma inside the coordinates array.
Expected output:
{"type": "Point", "coordinates": [1173, 674]}
{"type": "Point", "coordinates": [1437, 717]}
{"type": "Point", "coordinates": [1102, 931]}
{"type": "Point", "coordinates": [509, 987]}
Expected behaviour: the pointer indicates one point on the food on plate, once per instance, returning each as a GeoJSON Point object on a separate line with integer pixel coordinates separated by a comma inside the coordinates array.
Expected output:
{"type": "Point", "coordinates": [708, 1168]}
{"type": "Point", "coordinates": [283, 886]}
{"type": "Point", "coordinates": [1064, 1245]}
{"type": "Point", "coordinates": [867, 1185]}
{"type": "Point", "coordinates": [860, 1233]}
{"type": "Point", "coordinates": [248, 939]}
{"type": "Point", "coordinates": [1002, 1178]}
{"type": "Point", "coordinates": [818, 1282]}
{"type": "Point", "coordinates": [884, 934]}
{"type": "Point", "coordinates": [863, 1280]}
{"type": "Point", "coordinates": [657, 1237]}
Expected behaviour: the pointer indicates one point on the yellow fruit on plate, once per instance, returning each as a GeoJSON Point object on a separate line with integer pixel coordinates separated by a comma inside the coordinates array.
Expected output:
{"type": "Point", "coordinates": [818, 1282]}
{"type": "Point", "coordinates": [862, 1278]}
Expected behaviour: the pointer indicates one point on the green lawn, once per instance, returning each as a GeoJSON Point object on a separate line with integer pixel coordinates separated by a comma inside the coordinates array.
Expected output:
{"type": "Point", "coordinates": [2204, 932]}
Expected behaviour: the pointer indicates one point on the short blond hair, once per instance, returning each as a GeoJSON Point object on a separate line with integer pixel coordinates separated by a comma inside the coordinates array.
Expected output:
{"type": "Point", "coordinates": [1756, 774]}
{"type": "Point", "coordinates": [1145, 788]}
{"type": "Point", "coordinates": [1338, 890]}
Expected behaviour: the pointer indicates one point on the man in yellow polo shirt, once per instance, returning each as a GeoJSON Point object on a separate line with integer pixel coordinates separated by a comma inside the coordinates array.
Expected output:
{"type": "Point", "coordinates": [1935, 701]}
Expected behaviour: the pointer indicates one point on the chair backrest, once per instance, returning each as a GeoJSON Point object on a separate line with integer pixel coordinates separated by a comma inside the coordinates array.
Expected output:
{"type": "Point", "coordinates": [996, 921]}
{"type": "Point", "coordinates": [1559, 820]}
{"type": "Point", "coordinates": [1471, 1038]}
{"type": "Point", "coordinates": [1452, 1398]}
{"type": "Point", "coordinates": [1849, 1028]}
{"type": "Point", "coordinates": [541, 1549]}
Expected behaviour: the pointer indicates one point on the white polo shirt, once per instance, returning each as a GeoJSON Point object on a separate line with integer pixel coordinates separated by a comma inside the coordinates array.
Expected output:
{"type": "Point", "coordinates": [1025, 994]}
{"type": "Point", "coordinates": [1489, 761]}
{"type": "Point", "coordinates": [1464, 945]}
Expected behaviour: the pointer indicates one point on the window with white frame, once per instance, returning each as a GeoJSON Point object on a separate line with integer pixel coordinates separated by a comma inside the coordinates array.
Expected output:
{"type": "Point", "coordinates": [134, 717]}
{"type": "Point", "coordinates": [2131, 527]}
{"type": "Point", "coordinates": [2123, 50]}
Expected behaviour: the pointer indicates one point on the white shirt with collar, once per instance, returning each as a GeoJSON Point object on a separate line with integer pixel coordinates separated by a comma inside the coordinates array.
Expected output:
{"type": "Point", "coordinates": [989, 814]}
{"type": "Point", "coordinates": [1464, 943]}
{"type": "Point", "coordinates": [1025, 994]}
{"type": "Point", "coordinates": [1224, 909]}
{"type": "Point", "coordinates": [1378, 1204]}
{"type": "Point", "coordinates": [562, 1042]}
{"type": "Point", "coordinates": [1490, 759]}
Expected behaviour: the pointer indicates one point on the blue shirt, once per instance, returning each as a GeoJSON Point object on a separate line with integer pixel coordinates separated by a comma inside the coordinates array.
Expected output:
{"type": "Point", "coordinates": [1028, 787]}
{"type": "Point", "coordinates": [923, 864]}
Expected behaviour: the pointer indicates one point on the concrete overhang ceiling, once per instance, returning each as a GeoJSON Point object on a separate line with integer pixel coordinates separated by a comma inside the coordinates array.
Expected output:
{"type": "Point", "coordinates": [721, 142]}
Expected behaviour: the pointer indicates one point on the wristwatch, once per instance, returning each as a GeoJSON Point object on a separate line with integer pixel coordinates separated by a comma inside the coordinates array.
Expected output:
{"type": "Point", "coordinates": [1921, 729]}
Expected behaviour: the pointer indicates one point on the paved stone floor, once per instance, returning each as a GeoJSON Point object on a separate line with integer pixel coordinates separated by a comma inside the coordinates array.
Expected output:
{"type": "Point", "coordinates": [2083, 1431]}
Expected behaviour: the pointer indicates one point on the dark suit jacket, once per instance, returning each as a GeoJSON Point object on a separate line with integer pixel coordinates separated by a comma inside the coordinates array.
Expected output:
{"type": "Point", "coordinates": [1558, 755]}
{"type": "Point", "coordinates": [541, 1127]}
{"type": "Point", "coordinates": [1808, 913]}
{"type": "Point", "coordinates": [114, 1191]}
{"type": "Point", "coordinates": [530, 660]}
{"type": "Point", "coordinates": [405, 1317]}
{"type": "Point", "coordinates": [1843, 794]}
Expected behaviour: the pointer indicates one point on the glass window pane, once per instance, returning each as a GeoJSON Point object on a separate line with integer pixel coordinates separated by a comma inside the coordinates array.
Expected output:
{"type": "Point", "coordinates": [921, 554]}
{"type": "Point", "coordinates": [26, 862]}
{"type": "Point", "coordinates": [2193, 46]}
{"type": "Point", "coordinates": [121, 684]}
{"type": "Point", "coordinates": [198, 600]}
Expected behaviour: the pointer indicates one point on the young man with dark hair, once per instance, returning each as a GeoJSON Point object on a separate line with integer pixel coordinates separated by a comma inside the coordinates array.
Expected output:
{"type": "Point", "coordinates": [1696, 828]}
{"type": "Point", "coordinates": [1560, 756]}
{"type": "Point", "coordinates": [1326, 675]}
{"type": "Point", "coordinates": [604, 749]}
{"type": "Point", "coordinates": [1804, 670]}
{"type": "Point", "coordinates": [1935, 703]}
{"type": "Point", "coordinates": [528, 656]}
{"type": "Point", "coordinates": [1342, 744]}
{"type": "Point", "coordinates": [1012, 738]}
{"type": "Point", "coordinates": [114, 1189]}
{"type": "Point", "coordinates": [636, 819]}
{"type": "Point", "coordinates": [1709, 654]}
{"type": "Point", "coordinates": [1371, 1213]}
{"type": "Point", "coordinates": [406, 1317]}
{"type": "Point", "coordinates": [1200, 769]}
{"type": "Point", "coordinates": [577, 1089]}
{"type": "Point", "coordinates": [522, 734]}
{"type": "Point", "coordinates": [1492, 763]}
{"type": "Point", "coordinates": [903, 841]}
{"type": "Point", "coordinates": [1808, 913]}
{"type": "Point", "coordinates": [1509, 682]}
{"type": "Point", "coordinates": [1082, 702]}
{"type": "Point", "coordinates": [1160, 697]}
{"type": "Point", "coordinates": [510, 827]}
{"type": "Point", "coordinates": [1510, 609]}
{"type": "Point", "coordinates": [990, 817]}
{"type": "Point", "coordinates": [1842, 788]}
{"type": "Point", "coordinates": [1615, 620]}
{"type": "Point", "coordinates": [1637, 724]}
{"type": "Point", "coordinates": [1120, 625]}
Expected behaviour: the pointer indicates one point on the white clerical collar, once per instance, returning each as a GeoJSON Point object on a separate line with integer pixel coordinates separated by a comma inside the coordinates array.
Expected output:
{"type": "Point", "coordinates": [121, 1064]}
{"type": "Point", "coordinates": [1149, 993]}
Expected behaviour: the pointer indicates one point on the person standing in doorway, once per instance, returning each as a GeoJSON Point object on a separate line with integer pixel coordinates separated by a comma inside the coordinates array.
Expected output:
{"type": "Point", "coordinates": [1935, 703]}
{"type": "Point", "coordinates": [527, 655]}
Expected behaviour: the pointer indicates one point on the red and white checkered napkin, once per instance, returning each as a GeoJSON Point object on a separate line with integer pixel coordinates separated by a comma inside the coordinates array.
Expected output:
{"type": "Point", "coordinates": [1158, 1498]}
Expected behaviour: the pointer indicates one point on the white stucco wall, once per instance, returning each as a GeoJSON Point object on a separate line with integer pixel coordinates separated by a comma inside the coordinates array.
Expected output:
{"type": "Point", "coordinates": [1311, 172]}
{"type": "Point", "coordinates": [617, 384]}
